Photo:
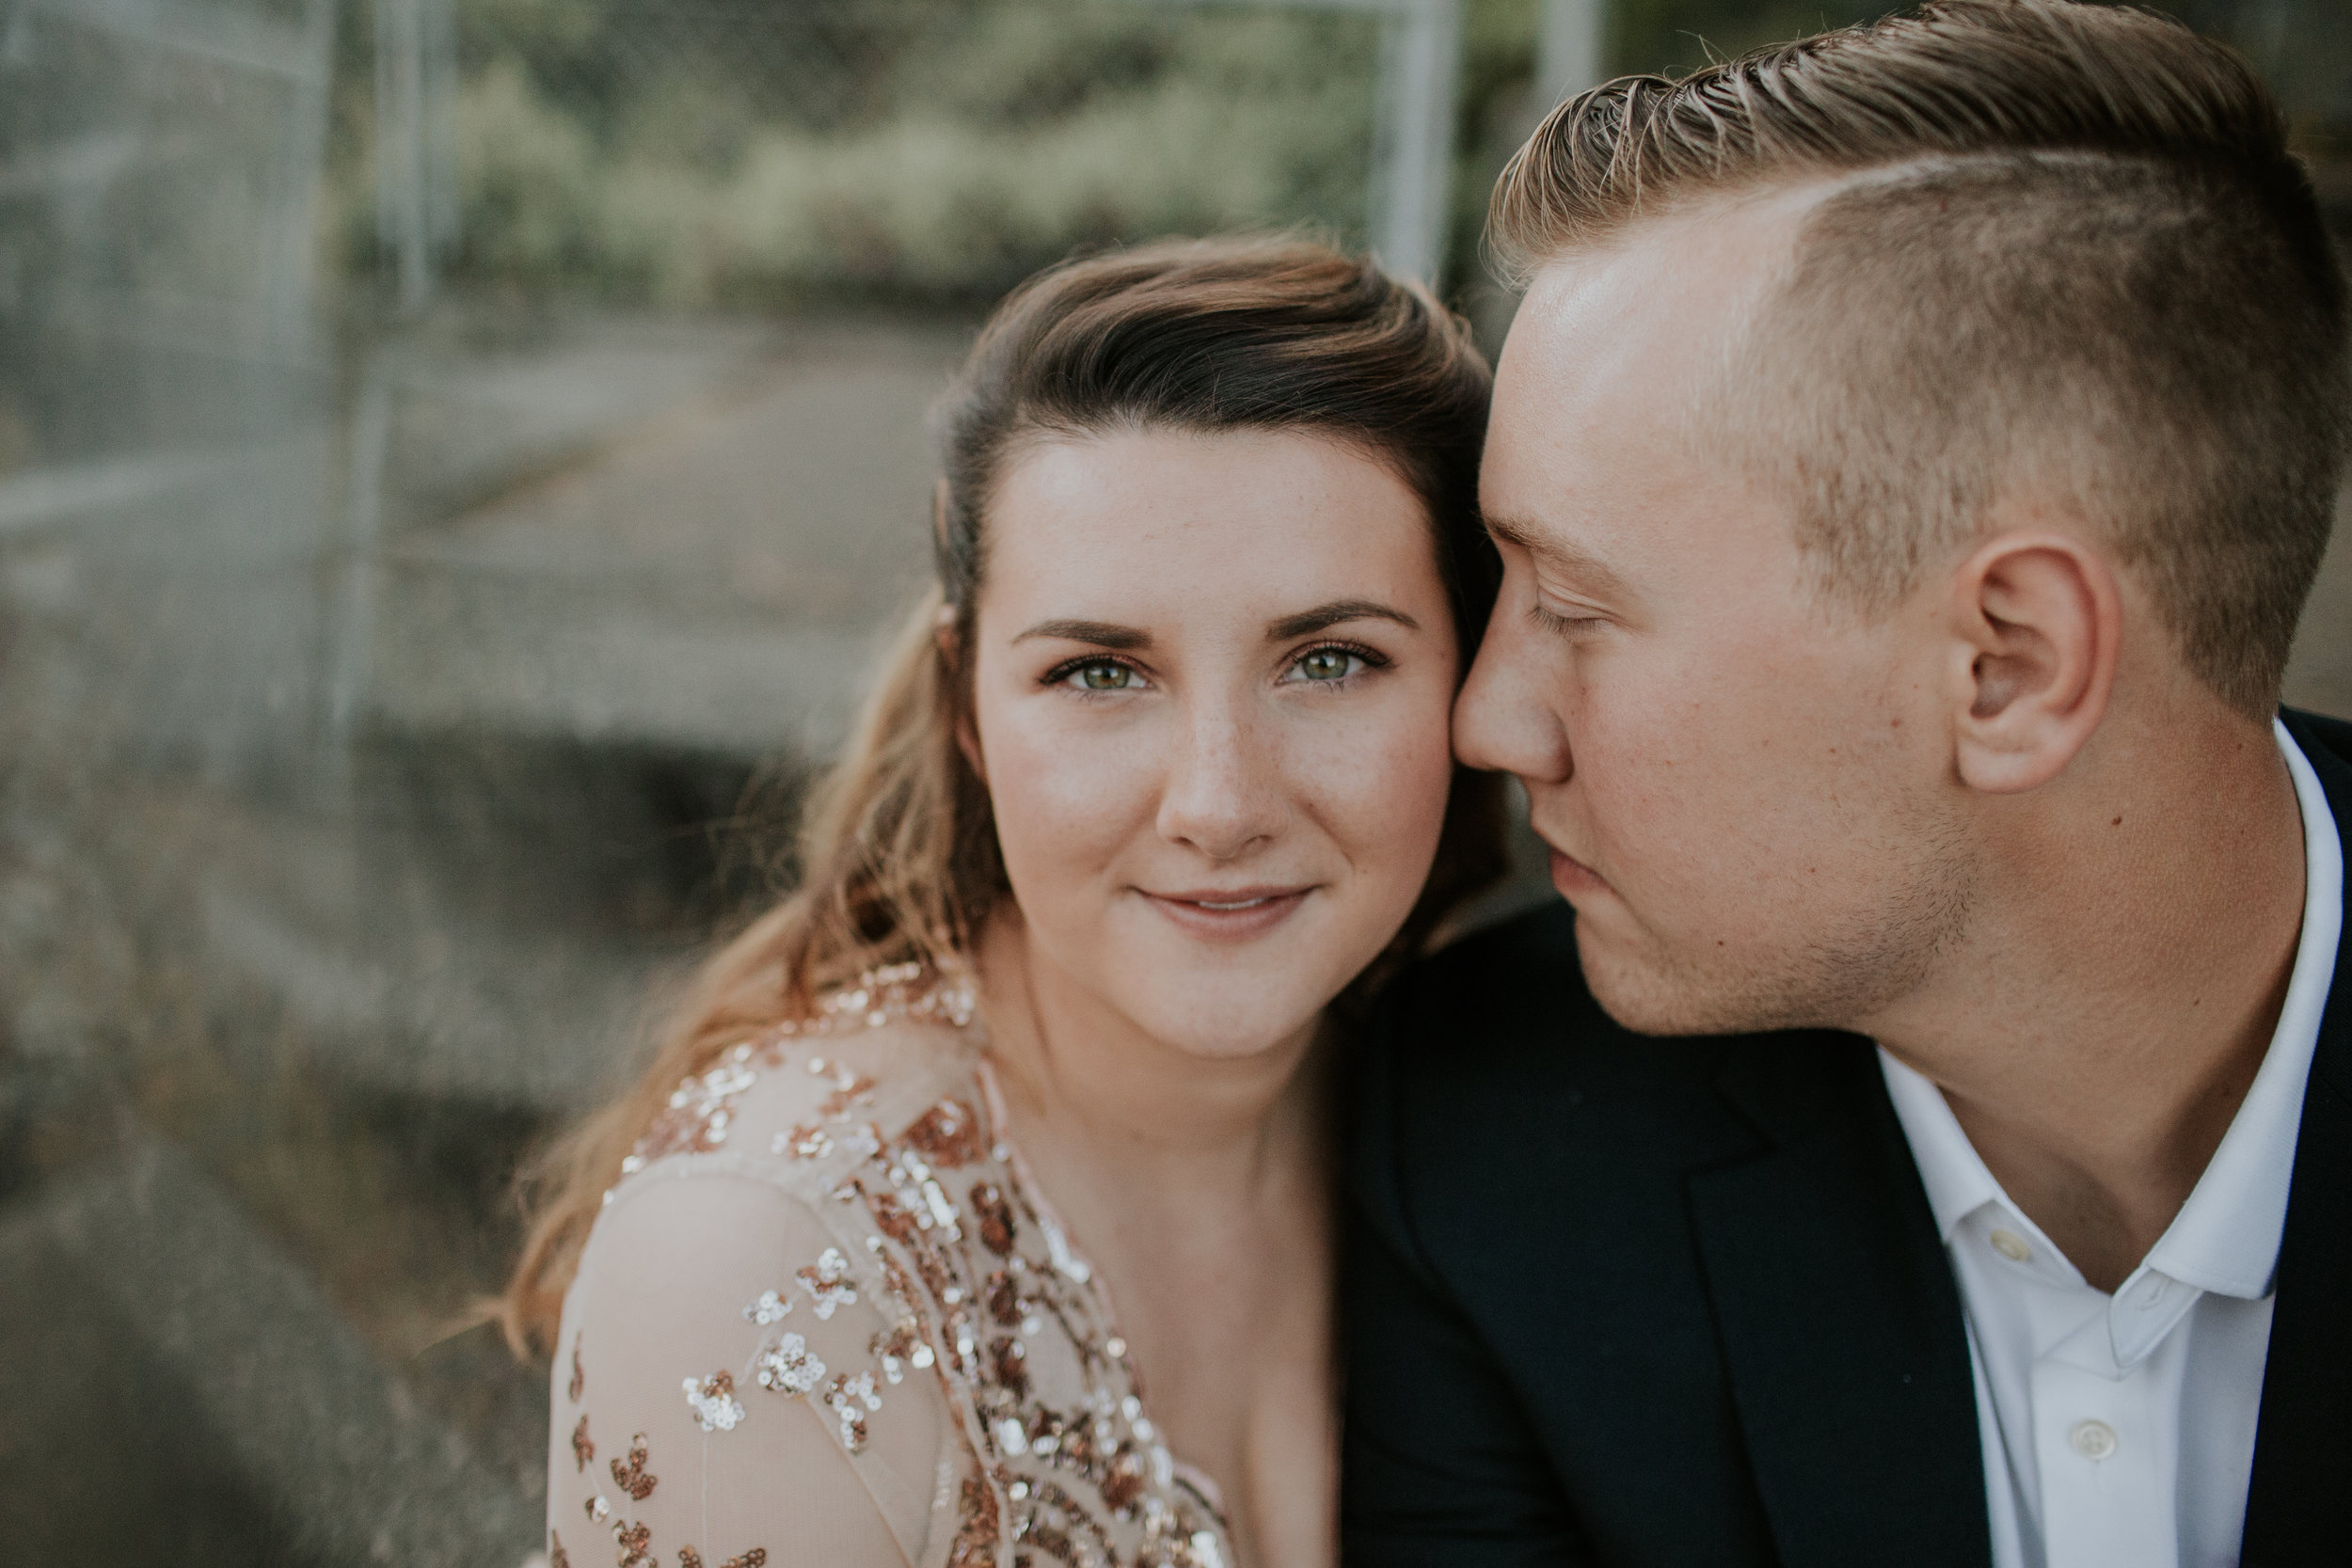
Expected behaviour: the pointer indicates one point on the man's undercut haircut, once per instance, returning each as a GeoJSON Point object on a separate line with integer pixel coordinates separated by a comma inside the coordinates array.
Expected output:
{"type": "Point", "coordinates": [2064, 254]}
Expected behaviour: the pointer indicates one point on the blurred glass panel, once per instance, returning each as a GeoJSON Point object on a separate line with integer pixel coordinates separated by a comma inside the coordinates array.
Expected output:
{"type": "Point", "coordinates": [456, 456]}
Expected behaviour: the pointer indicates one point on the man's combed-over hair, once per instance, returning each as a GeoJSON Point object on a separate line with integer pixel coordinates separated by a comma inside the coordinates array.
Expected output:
{"type": "Point", "coordinates": [2065, 252]}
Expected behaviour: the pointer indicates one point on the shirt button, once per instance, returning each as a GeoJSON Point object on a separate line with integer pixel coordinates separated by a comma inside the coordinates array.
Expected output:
{"type": "Point", "coordinates": [2093, 1440]}
{"type": "Point", "coordinates": [2010, 1245]}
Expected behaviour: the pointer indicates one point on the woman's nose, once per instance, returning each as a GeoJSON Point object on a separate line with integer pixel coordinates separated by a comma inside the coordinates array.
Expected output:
{"type": "Point", "coordinates": [1223, 795]}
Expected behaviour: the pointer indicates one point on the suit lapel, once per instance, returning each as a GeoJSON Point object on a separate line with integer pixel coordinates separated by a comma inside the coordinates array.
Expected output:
{"type": "Point", "coordinates": [2299, 1509]}
{"type": "Point", "coordinates": [1841, 1326]}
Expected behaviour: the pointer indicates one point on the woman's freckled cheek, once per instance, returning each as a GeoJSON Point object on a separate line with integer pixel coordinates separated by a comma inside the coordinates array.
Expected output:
{"type": "Point", "coordinates": [1065, 799]}
{"type": "Point", "coordinates": [1382, 783]}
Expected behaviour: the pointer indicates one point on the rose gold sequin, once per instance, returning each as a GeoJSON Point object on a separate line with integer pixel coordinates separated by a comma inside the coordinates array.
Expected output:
{"type": "Point", "coordinates": [901, 1348]}
{"type": "Point", "coordinates": [788, 1366]}
{"type": "Point", "coordinates": [1059, 1460]}
{"type": "Point", "coordinates": [850, 1399]}
{"type": "Point", "coordinates": [995, 1217]}
{"type": "Point", "coordinates": [1082, 1463]}
{"type": "Point", "coordinates": [702, 1108]}
{"type": "Point", "coordinates": [583, 1447]}
{"type": "Point", "coordinates": [1010, 1360]}
{"type": "Point", "coordinates": [579, 1375]}
{"type": "Point", "coordinates": [808, 1141]}
{"type": "Point", "coordinates": [947, 1134]}
{"type": "Point", "coordinates": [633, 1478]}
{"type": "Point", "coordinates": [977, 1528]}
{"type": "Point", "coordinates": [849, 1090]}
{"type": "Point", "coordinates": [635, 1540]}
{"type": "Point", "coordinates": [699, 1112]}
{"type": "Point", "coordinates": [713, 1401]}
{"type": "Point", "coordinates": [1123, 1484]}
{"type": "Point", "coordinates": [557, 1557]}
{"type": "Point", "coordinates": [827, 1282]}
{"type": "Point", "coordinates": [897, 1221]}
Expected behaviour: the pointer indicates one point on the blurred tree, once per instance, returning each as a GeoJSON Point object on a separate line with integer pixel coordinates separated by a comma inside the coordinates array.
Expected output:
{"type": "Point", "coordinates": [702, 152]}
{"type": "Point", "coordinates": [758, 152]}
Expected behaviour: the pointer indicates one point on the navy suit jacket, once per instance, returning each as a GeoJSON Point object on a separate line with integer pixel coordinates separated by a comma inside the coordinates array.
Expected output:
{"type": "Point", "coordinates": [1622, 1300]}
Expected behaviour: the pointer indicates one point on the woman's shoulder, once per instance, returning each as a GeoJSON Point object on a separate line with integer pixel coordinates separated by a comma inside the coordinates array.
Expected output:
{"type": "Point", "coordinates": [809, 1099]}
{"type": "Point", "coordinates": [730, 1316]}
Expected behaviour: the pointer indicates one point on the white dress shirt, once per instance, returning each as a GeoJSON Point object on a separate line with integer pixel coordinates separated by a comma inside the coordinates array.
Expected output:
{"type": "Point", "coordinates": [2119, 1429]}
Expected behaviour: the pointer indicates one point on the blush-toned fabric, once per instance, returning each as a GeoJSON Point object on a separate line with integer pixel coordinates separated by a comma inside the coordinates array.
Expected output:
{"type": "Point", "coordinates": [826, 1318]}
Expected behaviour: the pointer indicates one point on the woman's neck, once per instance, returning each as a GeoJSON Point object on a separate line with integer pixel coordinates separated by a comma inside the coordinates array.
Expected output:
{"type": "Point", "coordinates": [1201, 1189]}
{"type": "Point", "coordinates": [1088, 1087]}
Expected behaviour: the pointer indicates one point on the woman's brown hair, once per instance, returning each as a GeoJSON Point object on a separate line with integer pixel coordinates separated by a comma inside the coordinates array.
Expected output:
{"type": "Point", "coordinates": [898, 850]}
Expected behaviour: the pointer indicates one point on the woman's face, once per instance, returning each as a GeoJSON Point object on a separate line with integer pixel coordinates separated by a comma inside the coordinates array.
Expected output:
{"type": "Point", "coordinates": [1212, 680]}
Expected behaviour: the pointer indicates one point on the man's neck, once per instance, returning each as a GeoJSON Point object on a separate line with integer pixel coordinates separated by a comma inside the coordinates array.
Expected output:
{"type": "Point", "coordinates": [2118, 991]}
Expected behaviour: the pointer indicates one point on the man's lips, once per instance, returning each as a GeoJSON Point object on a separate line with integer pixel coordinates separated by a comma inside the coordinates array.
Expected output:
{"type": "Point", "coordinates": [1572, 877]}
{"type": "Point", "coordinates": [1233, 912]}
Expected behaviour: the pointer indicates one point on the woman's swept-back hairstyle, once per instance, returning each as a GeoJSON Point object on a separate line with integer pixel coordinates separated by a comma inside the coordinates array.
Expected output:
{"type": "Point", "coordinates": [898, 850]}
{"type": "Point", "coordinates": [2064, 245]}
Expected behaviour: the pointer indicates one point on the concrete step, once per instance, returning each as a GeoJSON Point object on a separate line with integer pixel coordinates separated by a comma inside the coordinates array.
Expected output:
{"type": "Point", "coordinates": [173, 1389]}
{"type": "Point", "coordinates": [713, 576]}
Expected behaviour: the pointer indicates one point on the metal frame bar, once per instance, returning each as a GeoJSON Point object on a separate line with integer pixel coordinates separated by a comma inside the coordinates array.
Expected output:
{"type": "Point", "coordinates": [416, 196]}
{"type": "Point", "coordinates": [1571, 42]}
{"type": "Point", "coordinates": [1420, 98]}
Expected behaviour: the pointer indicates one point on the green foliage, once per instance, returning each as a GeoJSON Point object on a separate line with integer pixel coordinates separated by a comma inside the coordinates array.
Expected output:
{"type": "Point", "coordinates": [699, 152]}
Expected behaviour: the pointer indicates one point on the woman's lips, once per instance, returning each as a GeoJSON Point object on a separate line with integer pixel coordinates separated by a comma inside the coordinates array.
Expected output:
{"type": "Point", "coordinates": [1231, 913]}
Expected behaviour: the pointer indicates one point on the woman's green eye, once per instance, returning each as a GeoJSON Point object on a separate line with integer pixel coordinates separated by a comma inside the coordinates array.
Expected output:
{"type": "Point", "coordinates": [1104, 677]}
{"type": "Point", "coordinates": [1326, 664]}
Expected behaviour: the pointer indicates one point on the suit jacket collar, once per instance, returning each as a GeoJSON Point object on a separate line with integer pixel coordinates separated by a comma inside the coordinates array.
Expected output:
{"type": "Point", "coordinates": [2299, 1509]}
{"type": "Point", "coordinates": [1840, 1325]}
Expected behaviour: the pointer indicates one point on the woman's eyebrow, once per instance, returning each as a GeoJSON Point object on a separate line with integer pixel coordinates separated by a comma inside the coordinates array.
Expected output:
{"type": "Point", "coordinates": [1307, 623]}
{"type": "Point", "coordinates": [1103, 634]}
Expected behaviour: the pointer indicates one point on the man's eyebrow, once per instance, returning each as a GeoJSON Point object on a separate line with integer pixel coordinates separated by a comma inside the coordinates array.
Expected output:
{"type": "Point", "coordinates": [1509, 531]}
{"type": "Point", "coordinates": [1525, 535]}
{"type": "Point", "coordinates": [1103, 634]}
{"type": "Point", "coordinates": [1307, 623]}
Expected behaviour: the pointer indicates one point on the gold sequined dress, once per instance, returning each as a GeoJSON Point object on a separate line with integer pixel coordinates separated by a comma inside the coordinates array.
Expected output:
{"type": "Point", "coordinates": [826, 1318]}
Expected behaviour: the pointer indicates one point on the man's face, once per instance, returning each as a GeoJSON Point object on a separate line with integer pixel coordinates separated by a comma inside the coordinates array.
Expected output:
{"type": "Point", "coordinates": [1745, 792]}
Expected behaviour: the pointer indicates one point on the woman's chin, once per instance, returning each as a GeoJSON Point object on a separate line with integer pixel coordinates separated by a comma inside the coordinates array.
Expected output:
{"type": "Point", "coordinates": [1243, 1036]}
{"type": "Point", "coordinates": [1220, 985]}
{"type": "Point", "coordinates": [1227, 1012]}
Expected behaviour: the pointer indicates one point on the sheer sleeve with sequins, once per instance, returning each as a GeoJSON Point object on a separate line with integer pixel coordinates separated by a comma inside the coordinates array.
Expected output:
{"type": "Point", "coordinates": [716, 1397]}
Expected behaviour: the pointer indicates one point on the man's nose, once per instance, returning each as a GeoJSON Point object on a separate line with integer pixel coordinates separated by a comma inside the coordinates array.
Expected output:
{"type": "Point", "coordinates": [1508, 716]}
{"type": "Point", "coordinates": [1223, 794]}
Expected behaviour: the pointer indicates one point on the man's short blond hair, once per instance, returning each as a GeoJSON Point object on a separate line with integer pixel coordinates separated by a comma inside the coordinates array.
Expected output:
{"type": "Point", "coordinates": [2065, 249]}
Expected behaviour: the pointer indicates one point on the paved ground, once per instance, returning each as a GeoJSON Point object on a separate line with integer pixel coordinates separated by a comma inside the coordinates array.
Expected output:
{"type": "Point", "coordinates": [711, 575]}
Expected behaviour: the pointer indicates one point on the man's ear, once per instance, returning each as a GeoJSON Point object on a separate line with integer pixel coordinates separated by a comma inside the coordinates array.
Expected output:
{"type": "Point", "coordinates": [2038, 628]}
{"type": "Point", "coordinates": [950, 657]}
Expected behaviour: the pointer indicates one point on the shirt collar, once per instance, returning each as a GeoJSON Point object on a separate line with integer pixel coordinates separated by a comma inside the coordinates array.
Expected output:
{"type": "Point", "coordinates": [1949, 1167]}
{"type": "Point", "coordinates": [2226, 1237]}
